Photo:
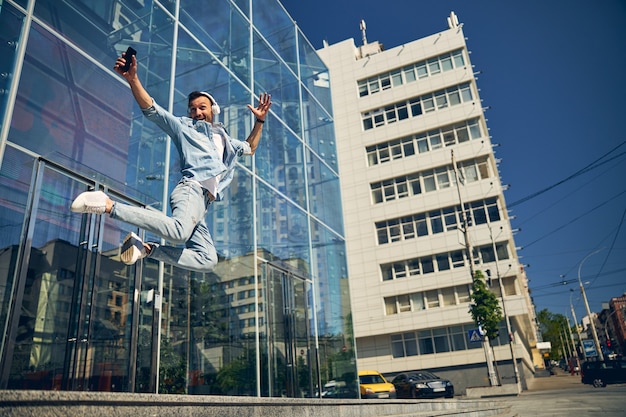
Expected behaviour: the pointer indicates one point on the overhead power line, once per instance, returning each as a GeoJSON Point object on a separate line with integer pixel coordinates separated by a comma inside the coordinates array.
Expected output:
{"type": "Point", "coordinates": [595, 164]}
{"type": "Point", "coordinates": [574, 219]}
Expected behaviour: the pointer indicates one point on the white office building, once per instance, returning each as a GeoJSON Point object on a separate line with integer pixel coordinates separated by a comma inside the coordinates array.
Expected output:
{"type": "Point", "coordinates": [414, 154]}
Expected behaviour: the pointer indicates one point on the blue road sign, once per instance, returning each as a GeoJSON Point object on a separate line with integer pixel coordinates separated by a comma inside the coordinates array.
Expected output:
{"type": "Point", "coordinates": [590, 348]}
{"type": "Point", "coordinates": [474, 336]}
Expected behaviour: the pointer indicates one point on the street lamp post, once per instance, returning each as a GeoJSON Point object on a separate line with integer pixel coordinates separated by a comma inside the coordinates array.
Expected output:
{"type": "Point", "coordinates": [591, 321]}
{"type": "Point", "coordinates": [580, 339]}
{"type": "Point", "coordinates": [575, 352]}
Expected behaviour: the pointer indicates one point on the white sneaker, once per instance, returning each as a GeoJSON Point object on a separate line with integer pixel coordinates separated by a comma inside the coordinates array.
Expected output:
{"type": "Point", "coordinates": [132, 249]}
{"type": "Point", "coordinates": [94, 202]}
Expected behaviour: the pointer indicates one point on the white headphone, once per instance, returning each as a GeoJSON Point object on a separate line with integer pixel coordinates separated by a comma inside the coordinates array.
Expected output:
{"type": "Point", "coordinates": [215, 108]}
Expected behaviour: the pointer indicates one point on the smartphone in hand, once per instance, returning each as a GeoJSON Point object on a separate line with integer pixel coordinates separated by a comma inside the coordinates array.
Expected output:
{"type": "Point", "coordinates": [128, 56]}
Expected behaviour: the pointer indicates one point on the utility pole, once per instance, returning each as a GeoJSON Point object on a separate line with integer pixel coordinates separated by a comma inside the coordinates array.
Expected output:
{"type": "Point", "coordinates": [575, 352]}
{"type": "Point", "coordinates": [580, 339]}
{"type": "Point", "coordinates": [591, 320]}
{"type": "Point", "coordinates": [506, 316]}
{"type": "Point", "coordinates": [493, 379]}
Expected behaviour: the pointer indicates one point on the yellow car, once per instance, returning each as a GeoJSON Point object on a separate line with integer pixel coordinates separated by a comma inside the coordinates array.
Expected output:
{"type": "Point", "coordinates": [373, 385]}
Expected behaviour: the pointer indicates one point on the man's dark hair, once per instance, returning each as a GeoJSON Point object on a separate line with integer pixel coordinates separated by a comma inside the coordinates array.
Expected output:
{"type": "Point", "coordinates": [195, 94]}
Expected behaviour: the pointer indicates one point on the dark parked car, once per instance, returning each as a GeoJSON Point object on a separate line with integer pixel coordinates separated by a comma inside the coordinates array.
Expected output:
{"type": "Point", "coordinates": [600, 373]}
{"type": "Point", "coordinates": [422, 385]}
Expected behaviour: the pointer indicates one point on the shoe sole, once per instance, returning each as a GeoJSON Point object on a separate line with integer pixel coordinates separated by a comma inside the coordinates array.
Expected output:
{"type": "Point", "coordinates": [132, 249]}
{"type": "Point", "coordinates": [89, 202]}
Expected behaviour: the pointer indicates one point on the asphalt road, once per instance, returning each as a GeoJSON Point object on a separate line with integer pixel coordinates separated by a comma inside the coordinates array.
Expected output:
{"type": "Point", "coordinates": [565, 395]}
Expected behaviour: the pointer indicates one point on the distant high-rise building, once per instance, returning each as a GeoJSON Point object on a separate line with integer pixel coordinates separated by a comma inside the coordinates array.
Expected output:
{"type": "Point", "coordinates": [415, 158]}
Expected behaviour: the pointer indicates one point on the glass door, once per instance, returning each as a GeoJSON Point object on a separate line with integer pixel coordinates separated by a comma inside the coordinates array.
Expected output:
{"type": "Point", "coordinates": [72, 318]}
{"type": "Point", "coordinates": [291, 358]}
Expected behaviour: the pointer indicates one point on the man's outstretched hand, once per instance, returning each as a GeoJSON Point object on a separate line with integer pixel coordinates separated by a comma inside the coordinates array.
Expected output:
{"type": "Point", "coordinates": [132, 70]}
{"type": "Point", "coordinates": [260, 111]}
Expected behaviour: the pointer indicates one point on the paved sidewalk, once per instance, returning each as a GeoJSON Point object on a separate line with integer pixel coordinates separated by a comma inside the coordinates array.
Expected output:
{"type": "Point", "coordinates": [560, 380]}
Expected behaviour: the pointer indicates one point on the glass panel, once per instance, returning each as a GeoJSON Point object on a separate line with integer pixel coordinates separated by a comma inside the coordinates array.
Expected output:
{"type": "Point", "coordinates": [458, 260]}
{"type": "Point", "coordinates": [474, 129]}
{"type": "Point", "coordinates": [280, 161]}
{"type": "Point", "coordinates": [75, 328]}
{"type": "Point", "coordinates": [404, 303]}
{"type": "Point", "coordinates": [10, 27]}
{"type": "Point", "coordinates": [279, 30]}
{"type": "Point", "coordinates": [433, 66]}
{"type": "Point", "coordinates": [425, 342]}
{"type": "Point", "coordinates": [224, 32]}
{"type": "Point", "coordinates": [440, 337]}
{"type": "Point", "coordinates": [463, 293]}
{"type": "Point", "coordinates": [432, 298]}
{"type": "Point", "coordinates": [457, 339]}
{"type": "Point", "coordinates": [427, 265]}
{"type": "Point", "coordinates": [86, 106]}
{"type": "Point", "coordinates": [390, 306]}
{"type": "Point", "coordinates": [458, 58]}
{"type": "Point", "coordinates": [418, 301]}
{"type": "Point", "coordinates": [422, 71]}
{"type": "Point", "coordinates": [409, 74]}
{"type": "Point", "coordinates": [314, 74]}
{"type": "Point", "coordinates": [462, 134]}
{"type": "Point", "coordinates": [103, 29]}
{"type": "Point", "coordinates": [443, 262]}
{"type": "Point", "coordinates": [396, 78]}
{"type": "Point", "coordinates": [436, 223]}
{"type": "Point", "coordinates": [15, 177]}
{"type": "Point", "coordinates": [287, 347]}
{"type": "Point", "coordinates": [363, 91]}
{"type": "Point", "coordinates": [319, 131]}
{"type": "Point", "coordinates": [397, 346]}
{"type": "Point", "coordinates": [446, 62]}
{"type": "Point", "coordinates": [324, 193]}
{"type": "Point", "coordinates": [447, 294]}
{"type": "Point", "coordinates": [272, 75]}
{"type": "Point", "coordinates": [282, 228]}
{"type": "Point", "coordinates": [410, 344]}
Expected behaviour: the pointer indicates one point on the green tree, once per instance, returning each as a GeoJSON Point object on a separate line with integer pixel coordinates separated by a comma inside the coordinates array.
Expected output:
{"type": "Point", "coordinates": [551, 326]}
{"type": "Point", "coordinates": [485, 309]}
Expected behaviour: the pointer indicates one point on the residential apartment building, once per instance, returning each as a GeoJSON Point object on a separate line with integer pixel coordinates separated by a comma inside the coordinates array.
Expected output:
{"type": "Point", "coordinates": [611, 326]}
{"type": "Point", "coordinates": [415, 158]}
{"type": "Point", "coordinates": [273, 319]}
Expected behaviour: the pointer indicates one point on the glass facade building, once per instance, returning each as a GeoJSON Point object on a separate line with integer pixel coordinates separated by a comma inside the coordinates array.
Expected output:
{"type": "Point", "coordinates": [273, 319]}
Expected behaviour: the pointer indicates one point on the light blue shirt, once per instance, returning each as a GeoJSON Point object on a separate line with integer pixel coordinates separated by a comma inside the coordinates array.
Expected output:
{"type": "Point", "coordinates": [199, 158]}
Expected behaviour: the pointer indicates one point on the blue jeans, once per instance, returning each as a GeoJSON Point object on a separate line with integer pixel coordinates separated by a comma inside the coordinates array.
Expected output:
{"type": "Point", "coordinates": [189, 203]}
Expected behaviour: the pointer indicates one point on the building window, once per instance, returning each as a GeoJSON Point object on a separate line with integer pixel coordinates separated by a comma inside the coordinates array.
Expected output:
{"type": "Point", "coordinates": [463, 294]}
{"type": "Point", "coordinates": [438, 100]}
{"type": "Point", "coordinates": [425, 339]}
{"type": "Point", "coordinates": [403, 345]}
{"type": "Point", "coordinates": [426, 264]}
{"type": "Point", "coordinates": [432, 180]}
{"type": "Point", "coordinates": [432, 299]}
{"type": "Point", "coordinates": [411, 73]}
{"type": "Point", "coordinates": [446, 219]}
{"type": "Point", "coordinates": [425, 142]}
{"type": "Point", "coordinates": [439, 340]}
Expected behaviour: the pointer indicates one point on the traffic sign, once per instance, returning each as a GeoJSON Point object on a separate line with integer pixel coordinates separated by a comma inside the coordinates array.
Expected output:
{"type": "Point", "coordinates": [590, 348]}
{"type": "Point", "coordinates": [474, 336]}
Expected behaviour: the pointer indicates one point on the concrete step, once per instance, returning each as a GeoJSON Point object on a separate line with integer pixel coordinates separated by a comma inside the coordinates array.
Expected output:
{"type": "Point", "coordinates": [83, 404]}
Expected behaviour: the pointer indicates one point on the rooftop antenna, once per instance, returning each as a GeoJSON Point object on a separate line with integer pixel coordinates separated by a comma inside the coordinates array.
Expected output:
{"type": "Point", "coordinates": [453, 21]}
{"type": "Point", "coordinates": [362, 27]}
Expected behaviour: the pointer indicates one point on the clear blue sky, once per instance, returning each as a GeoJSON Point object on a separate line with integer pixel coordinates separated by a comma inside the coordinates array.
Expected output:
{"type": "Point", "coordinates": [553, 74]}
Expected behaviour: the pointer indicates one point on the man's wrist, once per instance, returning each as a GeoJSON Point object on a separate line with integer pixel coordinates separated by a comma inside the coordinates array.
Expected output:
{"type": "Point", "coordinates": [260, 121]}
